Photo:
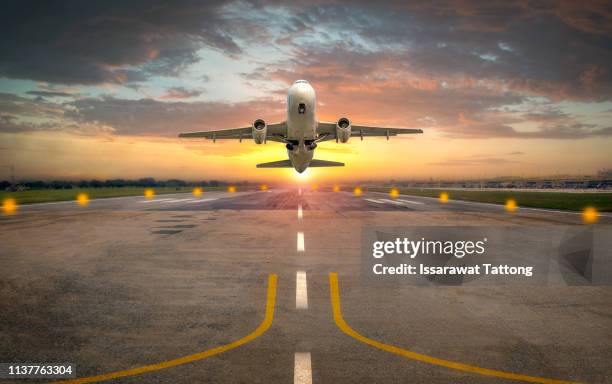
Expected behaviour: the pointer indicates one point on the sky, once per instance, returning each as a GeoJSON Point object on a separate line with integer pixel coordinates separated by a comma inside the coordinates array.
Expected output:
{"type": "Point", "coordinates": [101, 89]}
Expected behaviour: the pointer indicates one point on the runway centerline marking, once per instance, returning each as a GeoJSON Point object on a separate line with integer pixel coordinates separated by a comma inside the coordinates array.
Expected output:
{"type": "Point", "coordinates": [260, 330]}
{"type": "Point", "coordinates": [300, 241]}
{"type": "Point", "coordinates": [344, 327]}
{"type": "Point", "coordinates": [300, 213]}
{"type": "Point", "coordinates": [301, 290]}
{"type": "Point", "coordinates": [302, 371]}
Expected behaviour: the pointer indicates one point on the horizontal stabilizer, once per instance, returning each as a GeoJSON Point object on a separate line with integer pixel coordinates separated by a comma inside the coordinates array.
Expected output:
{"type": "Point", "coordinates": [325, 163]}
{"type": "Point", "coordinates": [276, 164]}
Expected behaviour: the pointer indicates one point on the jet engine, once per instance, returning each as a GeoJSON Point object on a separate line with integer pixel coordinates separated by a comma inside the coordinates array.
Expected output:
{"type": "Point", "coordinates": [343, 130]}
{"type": "Point", "coordinates": [260, 130]}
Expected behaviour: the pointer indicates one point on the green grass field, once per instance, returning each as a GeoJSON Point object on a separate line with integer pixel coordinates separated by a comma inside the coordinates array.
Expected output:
{"type": "Point", "coordinates": [48, 195]}
{"type": "Point", "coordinates": [573, 201]}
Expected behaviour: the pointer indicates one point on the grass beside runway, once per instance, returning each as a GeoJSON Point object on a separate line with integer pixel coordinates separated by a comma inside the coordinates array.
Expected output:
{"type": "Point", "coordinates": [572, 201]}
{"type": "Point", "coordinates": [50, 195]}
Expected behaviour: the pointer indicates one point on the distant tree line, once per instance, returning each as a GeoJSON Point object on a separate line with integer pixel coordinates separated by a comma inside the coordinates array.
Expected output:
{"type": "Point", "coordinates": [116, 183]}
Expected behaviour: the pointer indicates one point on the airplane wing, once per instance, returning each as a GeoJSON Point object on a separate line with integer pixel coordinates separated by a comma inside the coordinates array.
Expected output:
{"type": "Point", "coordinates": [329, 128]}
{"type": "Point", "coordinates": [274, 133]}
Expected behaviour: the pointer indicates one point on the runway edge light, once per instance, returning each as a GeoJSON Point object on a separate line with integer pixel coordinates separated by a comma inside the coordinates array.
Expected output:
{"type": "Point", "coordinates": [394, 193]}
{"type": "Point", "coordinates": [590, 215]}
{"type": "Point", "coordinates": [443, 197]}
{"type": "Point", "coordinates": [197, 191]}
{"type": "Point", "coordinates": [357, 191]}
{"type": "Point", "coordinates": [336, 188]}
{"type": "Point", "coordinates": [9, 206]}
{"type": "Point", "coordinates": [82, 199]}
{"type": "Point", "coordinates": [231, 189]}
{"type": "Point", "coordinates": [149, 193]}
{"type": "Point", "coordinates": [511, 205]}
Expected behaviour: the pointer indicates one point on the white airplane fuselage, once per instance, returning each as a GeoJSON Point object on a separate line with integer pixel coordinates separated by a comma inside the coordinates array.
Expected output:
{"type": "Point", "coordinates": [301, 124]}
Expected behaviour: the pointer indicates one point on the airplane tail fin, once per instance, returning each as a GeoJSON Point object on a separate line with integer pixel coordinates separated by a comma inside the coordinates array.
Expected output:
{"type": "Point", "coordinates": [325, 163]}
{"type": "Point", "coordinates": [276, 164]}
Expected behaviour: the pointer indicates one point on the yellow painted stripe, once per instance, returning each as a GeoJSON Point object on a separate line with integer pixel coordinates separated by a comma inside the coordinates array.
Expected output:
{"type": "Point", "coordinates": [335, 299]}
{"type": "Point", "coordinates": [263, 327]}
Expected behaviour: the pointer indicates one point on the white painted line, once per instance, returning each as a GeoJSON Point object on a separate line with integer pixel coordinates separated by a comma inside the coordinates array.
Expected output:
{"type": "Point", "coordinates": [300, 191]}
{"type": "Point", "coordinates": [302, 372]}
{"type": "Point", "coordinates": [300, 241]}
{"type": "Point", "coordinates": [300, 214]}
{"type": "Point", "coordinates": [301, 291]}
{"type": "Point", "coordinates": [500, 205]}
{"type": "Point", "coordinates": [375, 201]}
{"type": "Point", "coordinates": [203, 200]}
{"type": "Point", "coordinates": [410, 201]}
{"type": "Point", "coordinates": [178, 200]}
{"type": "Point", "coordinates": [392, 202]}
{"type": "Point", "coordinates": [154, 201]}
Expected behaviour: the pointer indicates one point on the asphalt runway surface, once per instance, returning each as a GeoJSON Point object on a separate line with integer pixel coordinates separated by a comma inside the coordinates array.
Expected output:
{"type": "Point", "coordinates": [127, 282]}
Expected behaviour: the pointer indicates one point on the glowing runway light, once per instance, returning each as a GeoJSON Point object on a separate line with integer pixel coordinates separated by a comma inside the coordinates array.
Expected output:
{"type": "Point", "coordinates": [590, 215]}
{"type": "Point", "coordinates": [357, 191]}
{"type": "Point", "coordinates": [149, 193]}
{"type": "Point", "coordinates": [443, 197]}
{"type": "Point", "coordinates": [314, 187]}
{"type": "Point", "coordinates": [263, 187]}
{"type": "Point", "coordinates": [9, 206]}
{"type": "Point", "coordinates": [231, 189]}
{"type": "Point", "coordinates": [197, 191]}
{"type": "Point", "coordinates": [336, 188]}
{"type": "Point", "coordinates": [394, 193]}
{"type": "Point", "coordinates": [511, 205]}
{"type": "Point", "coordinates": [82, 199]}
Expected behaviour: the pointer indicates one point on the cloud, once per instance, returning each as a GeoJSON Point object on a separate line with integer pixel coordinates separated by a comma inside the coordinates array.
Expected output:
{"type": "Point", "coordinates": [456, 68]}
{"type": "Point", "coordinates": [73, 42]}
{"type": "Point", "coordinates": [473, 161]}
{"type": "Point", "coordinates": [49, 94]}
{"type": "Point", "coordinates": [158, 118]}
{"type": "Point", "coordinates": [180, 93]}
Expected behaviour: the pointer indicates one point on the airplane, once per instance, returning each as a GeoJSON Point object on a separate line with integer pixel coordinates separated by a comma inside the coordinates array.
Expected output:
{"type": "Point", "coordinates": [301, 132]}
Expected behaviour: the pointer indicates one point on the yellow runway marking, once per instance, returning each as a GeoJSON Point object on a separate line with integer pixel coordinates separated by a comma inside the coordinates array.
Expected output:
{"type": "Point", "coordinates": [263, 327]}
{"type": "Point", "coordinates": [335, 300]}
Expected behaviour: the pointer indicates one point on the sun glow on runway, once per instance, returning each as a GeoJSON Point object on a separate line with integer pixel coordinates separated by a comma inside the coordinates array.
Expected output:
{"type": "Point", "coordinates": [197, 191]}
{"type": "Point", "coordinates": [9, 206]}
{"type": "Point", "coordinates": [590, 215]}
{"type": "Point", "coordinates": [301, 176]}
{"type": "Point", "coordinates": [82, 199]}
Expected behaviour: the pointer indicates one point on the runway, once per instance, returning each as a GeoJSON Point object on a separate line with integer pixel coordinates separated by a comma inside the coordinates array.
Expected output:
{"type": "Point", "coordinates": [129, 282]}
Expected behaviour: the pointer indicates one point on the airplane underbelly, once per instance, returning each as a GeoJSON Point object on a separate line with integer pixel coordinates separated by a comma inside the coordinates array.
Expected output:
{"type": "Point", "coordinates": [301, 128]}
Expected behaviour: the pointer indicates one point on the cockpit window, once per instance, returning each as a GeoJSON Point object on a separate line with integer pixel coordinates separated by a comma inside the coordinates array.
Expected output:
{"type": "Point", "coordinates": [301, 108]}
